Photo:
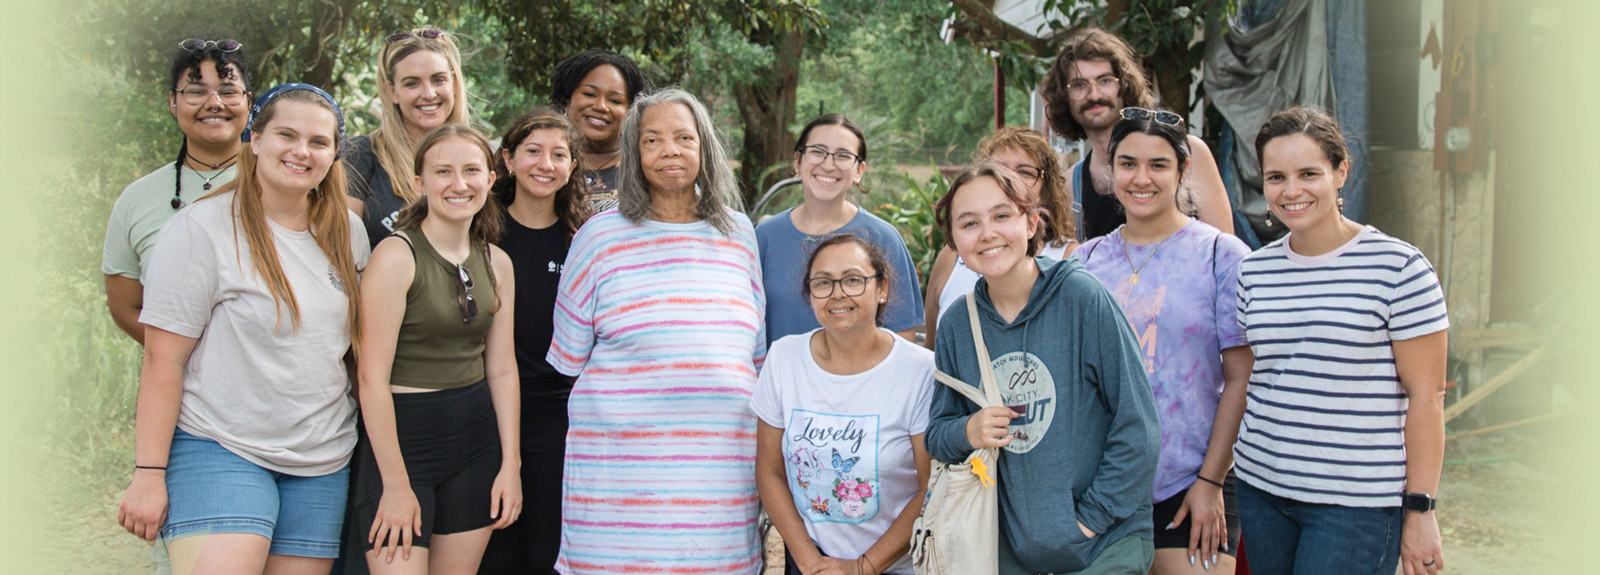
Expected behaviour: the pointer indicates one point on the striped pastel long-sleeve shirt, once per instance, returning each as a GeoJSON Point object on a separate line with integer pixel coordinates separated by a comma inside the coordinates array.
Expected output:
{"type": "Point", "coordinates": [662, 324]}
{"type": "Point", "coordinates": [1326, 412]}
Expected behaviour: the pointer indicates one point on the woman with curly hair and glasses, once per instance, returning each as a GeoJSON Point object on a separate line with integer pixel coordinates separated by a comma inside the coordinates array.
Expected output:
{"type": "Point", "coordinates": [208, 90]}
{"type": "Point", "coordinates": [1029, 155]}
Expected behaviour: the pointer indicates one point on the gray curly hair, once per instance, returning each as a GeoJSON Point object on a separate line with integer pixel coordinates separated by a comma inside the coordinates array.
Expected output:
{"type": "Point", "coordinates": [715, 185]}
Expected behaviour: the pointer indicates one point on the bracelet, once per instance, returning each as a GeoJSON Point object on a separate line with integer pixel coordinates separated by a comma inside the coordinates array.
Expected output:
{"type": "Point", "coordinates": [161, 468]}
{"type": "Point", "coordinates": [869, 562]}
{"type": "Point", "coordinates": [1203, 478]}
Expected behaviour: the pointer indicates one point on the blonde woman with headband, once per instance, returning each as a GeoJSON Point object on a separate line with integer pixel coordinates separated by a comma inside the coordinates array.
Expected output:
{"type": "Point", "coordinates": [245, 421]}
{"type": "Point", "coordinates": [421, 88]}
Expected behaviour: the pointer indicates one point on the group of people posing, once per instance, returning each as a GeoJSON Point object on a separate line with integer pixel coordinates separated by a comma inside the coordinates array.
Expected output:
{"type": "Point", "coordinates": [573, 353]}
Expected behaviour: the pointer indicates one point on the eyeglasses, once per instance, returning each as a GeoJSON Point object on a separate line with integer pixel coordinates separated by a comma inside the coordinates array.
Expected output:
{"type": "Point", "coordinates": [1162, 117]}
{"type": "Point", "coordinates": [1105, 84]}
{"type": "Point", "coordinates": [844, 160]}
{"type": "Point", "coordinates": [1029, 174]}
{"type": "Point", "coordinates": [198, 95]}
{"type": "Point", "coordinates": [426, 34]}
{"type": "Point", "coordinates": [822, 288]}
{"type": "Point", "coordinates": [469, 306]}
{"type": "Point", "coordinates": [195, 45]}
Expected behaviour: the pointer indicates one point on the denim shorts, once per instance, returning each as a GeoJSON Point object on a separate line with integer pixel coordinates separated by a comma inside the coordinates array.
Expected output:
{"type": "Point", "coordinates": [212, 490]}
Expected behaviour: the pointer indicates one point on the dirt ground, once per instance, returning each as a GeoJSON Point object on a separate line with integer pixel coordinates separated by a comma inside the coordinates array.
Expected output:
{"type": "Point", "coordinates": [1494, 515]}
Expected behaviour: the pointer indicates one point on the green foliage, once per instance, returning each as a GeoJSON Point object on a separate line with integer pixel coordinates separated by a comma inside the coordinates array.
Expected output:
{"type": "Point", "coordinates": [917, 98]}
{"type": "Point", "coordinates": [912, 213]}
{"type": "Point", "coordinates": [538, 34]}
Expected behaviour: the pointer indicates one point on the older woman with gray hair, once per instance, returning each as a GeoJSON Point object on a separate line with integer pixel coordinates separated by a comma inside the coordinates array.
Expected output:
{"type": "Point", "coordinates": [659, 315]}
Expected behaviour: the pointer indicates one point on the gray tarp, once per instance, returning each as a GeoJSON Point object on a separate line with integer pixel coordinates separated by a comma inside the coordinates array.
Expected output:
{"type": "Point", "coordinates": [1275, 54]}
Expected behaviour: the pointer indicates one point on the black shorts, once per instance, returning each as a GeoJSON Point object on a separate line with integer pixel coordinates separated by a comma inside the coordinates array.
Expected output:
{"type": "Point", "coordinates": [451, 446]}
{"type": "Point", "coordinates": [1178, 537]}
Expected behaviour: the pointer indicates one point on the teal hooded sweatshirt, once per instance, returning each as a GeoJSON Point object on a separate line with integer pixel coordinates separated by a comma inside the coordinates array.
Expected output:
{"type": "Point", "coordinates": [1085, 445]}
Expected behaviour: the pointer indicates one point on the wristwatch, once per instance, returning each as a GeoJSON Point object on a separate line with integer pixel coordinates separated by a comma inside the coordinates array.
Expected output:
{"type": "Point", "coordinates": [1420, 502]}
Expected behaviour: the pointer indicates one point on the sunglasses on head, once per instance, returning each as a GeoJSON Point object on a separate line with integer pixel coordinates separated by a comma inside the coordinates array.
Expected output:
{"type": "Point", "coordinates": [196, 45]}
{"type": "Point", "coordinates": [426, 34]}
{"type": "Point", "coordinates": [1162, 117]}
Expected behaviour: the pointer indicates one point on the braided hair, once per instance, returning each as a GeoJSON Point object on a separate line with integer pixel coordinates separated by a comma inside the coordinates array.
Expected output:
{"type": "Point", "coordinates": [185, 65]}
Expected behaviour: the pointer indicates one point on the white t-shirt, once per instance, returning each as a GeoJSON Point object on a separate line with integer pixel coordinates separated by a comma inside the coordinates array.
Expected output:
{"type": "Point", "coordinates": [847, 439]}
{"type": "Point", "coordinates": [963, 280]}
{"type": "Point", "coordinates": [275, 395]}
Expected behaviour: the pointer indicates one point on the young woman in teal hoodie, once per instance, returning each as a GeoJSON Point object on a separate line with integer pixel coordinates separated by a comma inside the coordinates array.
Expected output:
{"type": "Point", "coordinates": [1079, 432]}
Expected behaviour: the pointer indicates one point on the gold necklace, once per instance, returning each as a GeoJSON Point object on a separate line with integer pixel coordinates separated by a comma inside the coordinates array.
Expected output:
{"type": "Point", "coordinates": [1134, 279]}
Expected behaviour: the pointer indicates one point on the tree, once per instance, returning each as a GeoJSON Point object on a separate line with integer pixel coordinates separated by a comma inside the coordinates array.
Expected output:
{"type": "Point", "coordinates": [308, 41]}
{"type": "Point", "coordinates": [540, 33]}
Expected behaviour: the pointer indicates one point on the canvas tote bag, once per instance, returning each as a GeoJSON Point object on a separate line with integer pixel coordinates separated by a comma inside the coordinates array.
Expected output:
{"type": "Point", "coordinates": [959, 530]}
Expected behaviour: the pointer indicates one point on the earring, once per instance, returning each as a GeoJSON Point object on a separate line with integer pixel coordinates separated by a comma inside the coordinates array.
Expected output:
{"type": "Point", "coordinates": [1340, 203]}
{"type": "Point", "coordinates": [883, 300]}
{"type": "Point", "coordinates": [1269, 219]}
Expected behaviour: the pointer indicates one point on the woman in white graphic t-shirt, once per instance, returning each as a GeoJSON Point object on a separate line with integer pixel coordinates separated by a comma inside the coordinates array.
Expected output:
{"type": "Point", "coordinates": [839, 461]}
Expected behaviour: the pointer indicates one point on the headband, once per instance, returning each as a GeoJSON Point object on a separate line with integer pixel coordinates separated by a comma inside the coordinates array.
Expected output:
{"type": "Point", "coordinates": [281, 89]}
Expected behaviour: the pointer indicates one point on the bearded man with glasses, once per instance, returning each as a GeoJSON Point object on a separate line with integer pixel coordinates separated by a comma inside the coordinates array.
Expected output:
{"type": "Point", "coordinates": [1093, 77]}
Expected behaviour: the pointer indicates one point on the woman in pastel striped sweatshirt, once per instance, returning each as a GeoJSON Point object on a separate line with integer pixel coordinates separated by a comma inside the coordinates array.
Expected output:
{"type": "Point", "coordinates": [659, 315]}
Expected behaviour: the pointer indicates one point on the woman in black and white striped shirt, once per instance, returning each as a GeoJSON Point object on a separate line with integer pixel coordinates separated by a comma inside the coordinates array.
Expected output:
{"type": "Point", "coordinates": [1342, 441]}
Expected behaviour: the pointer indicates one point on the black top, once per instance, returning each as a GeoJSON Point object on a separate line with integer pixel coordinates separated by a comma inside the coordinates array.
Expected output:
{"type": "Point", "coordinates": [1102, 213]}
{"type": "Point", "coordinates": [369, 183]}
{"type": "Point", "coordinates": [536, 258]}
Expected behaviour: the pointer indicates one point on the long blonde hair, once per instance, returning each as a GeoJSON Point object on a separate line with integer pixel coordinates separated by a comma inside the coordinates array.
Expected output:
{"type": "Point", "coordinates": [330, 223]}
{"type": "Point", "coordinates": [391, 143]}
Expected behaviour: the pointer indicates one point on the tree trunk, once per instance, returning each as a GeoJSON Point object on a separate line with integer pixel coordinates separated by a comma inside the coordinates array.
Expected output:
{"type": "Point", "coordinates": [768, 108]}
{"type": "Point", "coordinates": [1172, 81]}
{"type": "Point", "coordinates": [328, 18]}
{"type": "Point", "coordinates": [1115, 9]}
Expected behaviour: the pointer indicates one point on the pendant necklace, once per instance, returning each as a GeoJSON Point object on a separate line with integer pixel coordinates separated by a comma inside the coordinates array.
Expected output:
{"type": "Point", "coordinates": [215, 167]}
{"type": "Point", "coordinates": [1134, 279]}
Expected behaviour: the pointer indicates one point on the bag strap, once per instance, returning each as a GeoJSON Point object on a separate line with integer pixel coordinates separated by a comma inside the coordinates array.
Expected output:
{"type": "Point", "coordinates": [991, 386]}
{"type": "Point", "coordinates": [961, 387]}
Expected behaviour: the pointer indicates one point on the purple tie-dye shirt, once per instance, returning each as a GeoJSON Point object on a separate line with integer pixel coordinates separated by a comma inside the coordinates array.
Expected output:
{"type": "Point", "coordinates": [1184, 313]}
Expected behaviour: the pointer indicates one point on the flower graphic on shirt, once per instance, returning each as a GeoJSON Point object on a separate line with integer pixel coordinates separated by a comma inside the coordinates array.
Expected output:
{"type": "Point", "coordinates": [852, 494]}
{"type": "Point", "coordinates": [333, 278]}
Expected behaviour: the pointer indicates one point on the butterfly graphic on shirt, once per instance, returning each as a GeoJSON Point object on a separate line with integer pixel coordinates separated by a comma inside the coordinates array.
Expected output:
{"type": "Point", "coordinates": [820, 505]}
{"type": "Point", "coordinates": [806, 466]}
{"type": "Point", "coordinates": [842, 465]}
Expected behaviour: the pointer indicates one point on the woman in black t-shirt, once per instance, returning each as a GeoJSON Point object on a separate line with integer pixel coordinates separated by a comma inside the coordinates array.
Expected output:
{"type": "Point", "coordinates": [547, 206]}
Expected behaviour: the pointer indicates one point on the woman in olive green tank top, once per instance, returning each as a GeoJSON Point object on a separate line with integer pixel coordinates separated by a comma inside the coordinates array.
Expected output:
{"type": "Point", "coordinates": [439, 464]}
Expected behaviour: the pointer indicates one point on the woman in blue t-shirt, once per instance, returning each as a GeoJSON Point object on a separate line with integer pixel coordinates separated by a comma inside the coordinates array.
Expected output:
{"type": "Point", "coordinates": [830, 157]}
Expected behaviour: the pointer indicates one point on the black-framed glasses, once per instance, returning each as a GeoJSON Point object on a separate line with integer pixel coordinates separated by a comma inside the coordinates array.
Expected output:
{"type": "Point", "coordinates": [198, 95]}
{"type": "Point", "coordinates": [1162, 117]}
{"type": "Point", "coordinates": [1106, 85]}
{"type": "Point", "coordinates": [426, 34]}
{"type": "Point", "coordinates": [1029, 174]}
{"type": "Point", "coordinates": [853, 285]}
{"type": "Point", "coordinates": [469, 306]}
{"type": "Point", "coordinates": [844, 160]}
{"type": "Point", "coordinates": [227, 45]}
